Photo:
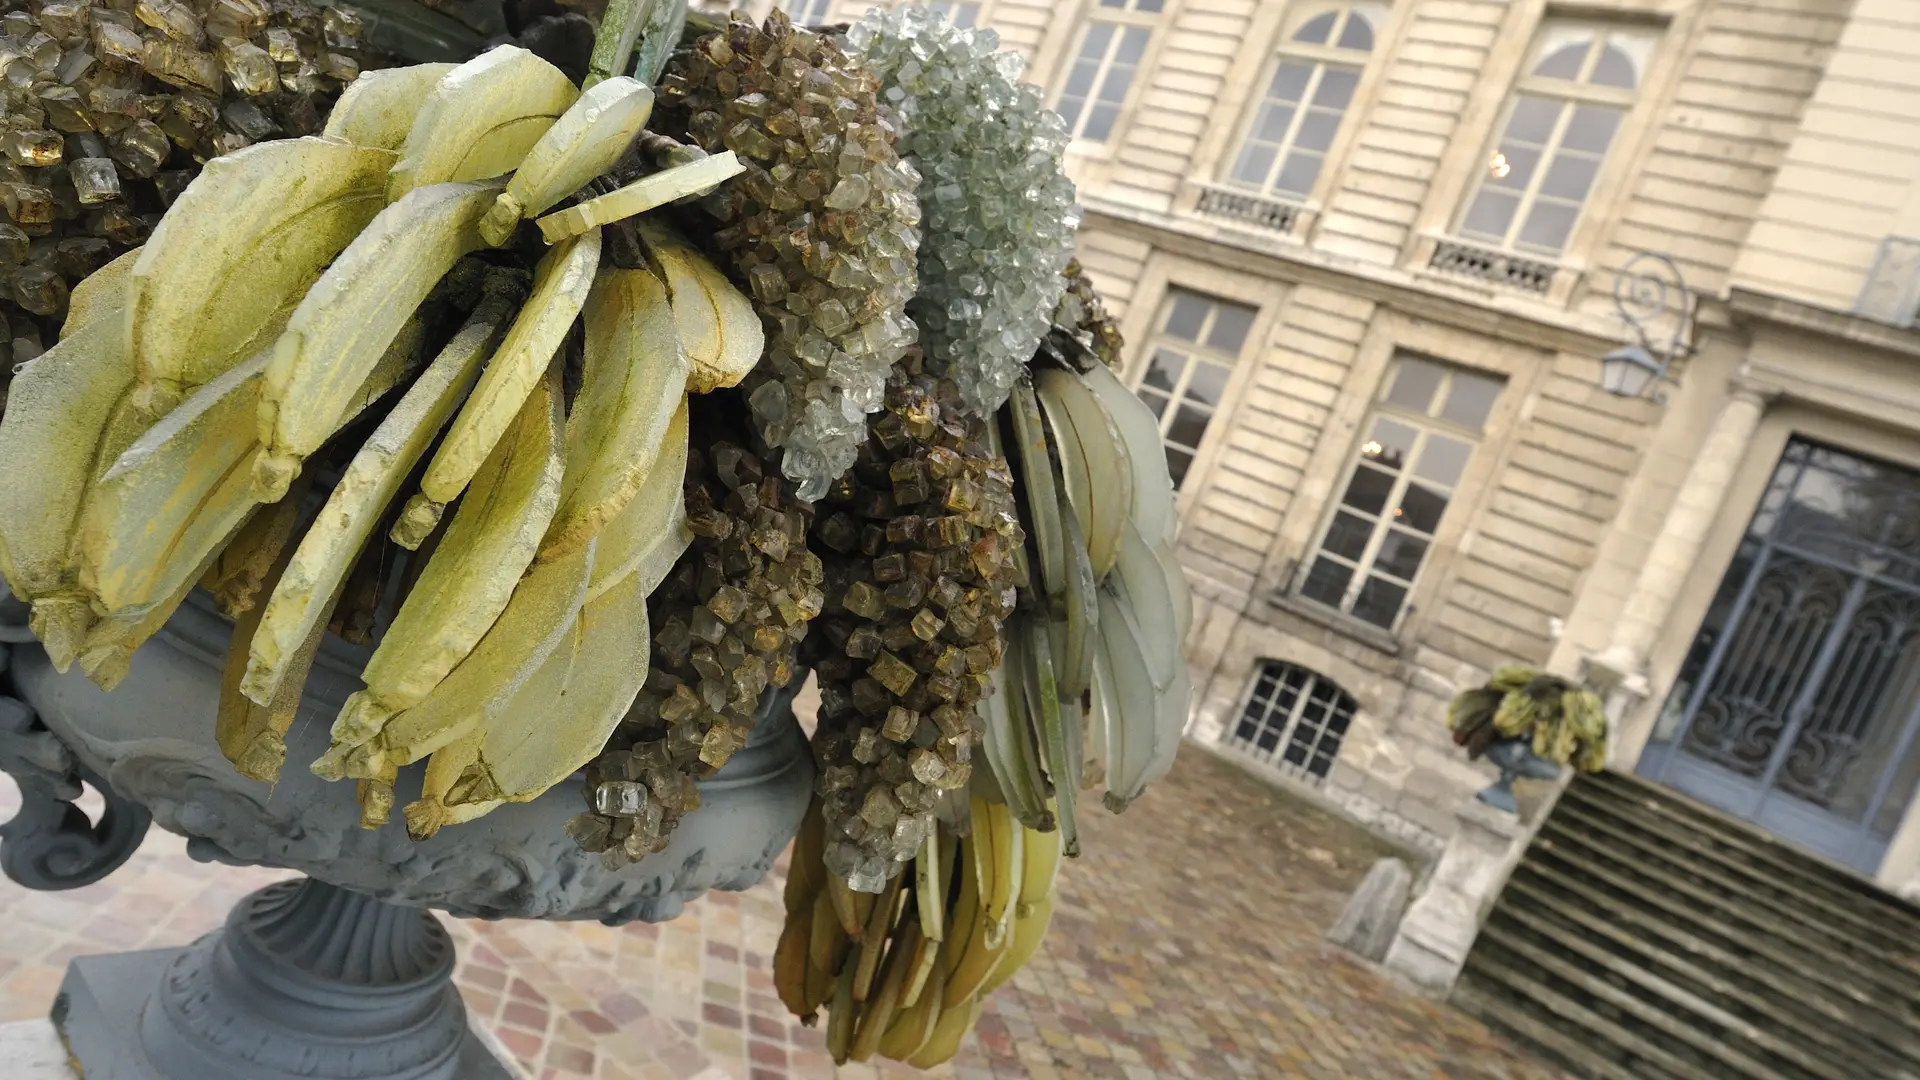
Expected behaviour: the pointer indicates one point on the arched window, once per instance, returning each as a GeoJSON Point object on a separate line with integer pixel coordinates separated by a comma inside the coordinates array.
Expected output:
{"type": "Point", "coordinates": [1309, 86]}
{"type": "Point", "coordinates": [1294, 718]}
{"type": "Point", "coordinates": [1564, 112]}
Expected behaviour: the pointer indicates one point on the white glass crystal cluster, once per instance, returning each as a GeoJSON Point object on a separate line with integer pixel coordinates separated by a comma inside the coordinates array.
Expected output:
{"type": "Point", "coordinates": [998, 213]}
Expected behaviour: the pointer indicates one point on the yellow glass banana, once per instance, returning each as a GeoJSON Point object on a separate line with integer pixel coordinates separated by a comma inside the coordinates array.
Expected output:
{"type": "Point", "coordinates": [246, 239]}
{"type": "Point", "coordinates": [633, 382]}
{"type": "Point", "coordinates": [473, 573]}
{"type": "Point", "coordinates": [345, 325]}
{"type": "Point", "coordinates": [560, 287]}
{"type": "Point", "coordinates": [650, 534]}
{"type": "Point", "coordinates": [718, 327]}
{"type": "Point", "coordinates": [480, 120]}
{"type": "Point", "coordinates": [1094, 459]}
{"type": "Point", "coordinates": [658, 189]}
{"type": "Point", "coordinates": [101, 295]}
{"type": "Point", "coordinates": [956, 1020]}
{"type": "Point", "coordinates": [328, 550]}
{"type": "Point", "coordinates": [378, 108]}
{"type": "Point", "coordinates": [586, 141]}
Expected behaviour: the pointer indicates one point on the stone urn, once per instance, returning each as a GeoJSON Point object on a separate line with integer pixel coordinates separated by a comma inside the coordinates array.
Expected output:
{"type": "Point", "coordinates": [344, 975]}
{"type": "Point", "coordinates": [1516, 761]}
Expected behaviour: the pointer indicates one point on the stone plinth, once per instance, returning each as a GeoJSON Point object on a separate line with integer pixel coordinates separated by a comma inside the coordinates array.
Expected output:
{"type": "Point", "coordinates": [1439, 927]}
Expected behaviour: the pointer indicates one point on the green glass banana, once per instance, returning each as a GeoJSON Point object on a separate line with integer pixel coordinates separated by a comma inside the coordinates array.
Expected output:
{"type": "Point", "coordinates": [1041, 493]}
{"type": "Point", "coordinates": [379, 108]}
{"type": "Point", "coordinates": [473, 573]}
{"type": "Point", "coordinates": [560, 286]}
{"type": "Point", "coordinates": [633, 382]}
{"type": "Point", "coordinates": [586, 141]}
{"type": "Point", "coordinates": [480, 120]}
{"type": "Point", "coordinates": [245, 240]}
{"type": "Point", "coordinates": [1095, 464]}
{"type": "Point", "coordinates": [345, 325]}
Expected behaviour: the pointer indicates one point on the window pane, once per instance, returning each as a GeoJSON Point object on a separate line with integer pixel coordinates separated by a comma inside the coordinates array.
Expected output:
{"type": "Point", "coordinates": [1147, 5]}
{"type": "Point", "coordinates": [1513, 165]}
{"type": "Point", "coordinates": [1317, 29]}
{"type": "Point", "coordinates": [1368, 490]}
{"type": "Point", "coordinates": [1100, 122]}
{"type": "Point", "coordinates": [1336, 87]}
{"type": "Point", "coordinates": [1298, 174]}
{"type": "Point", "coordinates": [1327, 582]}
{"type": "Point", "coordinates": [1570, 176]}
{"type": "Point", "coordinates": [1209, 383]}
{"type": "Point", "coordinates": [1443, 460]}
{"type": "Point", "coordinates": [1400, 554]}
{"type": "Point", "coordinates": [1548, 226]}
{"type": "Point", "coordinates": [1155, 400]}
{"type": "Point", "coordinates": [1256, 162]}
{"type": "Point", "coordinates": [1316, 129]}
{"type": "Point", "coordinates": [1094, 46]}
{"type": "Point", "coordinates": [1164, 370]}
{"type": "Point", "coordinates": [1420, 508]}
{"type": "Point", "coordinates": [1389, 443]}
{"type": "Point", "coordinates": [1289, 81]}
{"type": "Point", "coordinates": [1379, 602]}
{"type": "Point", "coordinates": [1614, 68]}
{"type": "Point", "coordinates": [1357, 34]}
{"type": "Point", "coordinates": [964, 15]}
{"type": "Point", "coordinates": [1080, 79]}
{"type": "Point", "coordinates": [1189, 424]}
{"type": "Point", "coordinates": [1230, 325]}
{"type": "Point", "coordinates": [1491, 214]}
{"type": "Point", "coordinates": [1133, 46]}
{"type": "Point", "coordinates": [1274, 120]}
{"type": "Point", "coordinates": [1347, 537]}
{"type": "Point", "coordinates": [1186, 315]}
{"type": "Point", "coordinates": [1470, 399]}
{"type": "Point", "coordinates": [1591, 129]}
{"type": "Point", "coordinates": [1178, 461]}
{"type": "Point", "coordinates": [1564, 63]}
{"type": "Point", "coordinates": [1414, 382]}
{"type": "Point", "coordinates": [1533, 120]}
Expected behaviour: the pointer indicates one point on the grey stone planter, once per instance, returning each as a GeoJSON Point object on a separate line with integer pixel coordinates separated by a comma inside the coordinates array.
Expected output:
{"type": "Point", "coordinates": [345, 976]}
{"type": "Point", "coordinates": [1516, 761]}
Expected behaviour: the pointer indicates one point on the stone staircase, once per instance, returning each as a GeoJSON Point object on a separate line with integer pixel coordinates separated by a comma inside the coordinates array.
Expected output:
{"type": "Point", "coordinates": [1645, 937]}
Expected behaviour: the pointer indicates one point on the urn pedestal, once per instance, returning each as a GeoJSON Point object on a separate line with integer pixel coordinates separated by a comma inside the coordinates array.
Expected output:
{"type": "Point", "coordinates": [345, 975]}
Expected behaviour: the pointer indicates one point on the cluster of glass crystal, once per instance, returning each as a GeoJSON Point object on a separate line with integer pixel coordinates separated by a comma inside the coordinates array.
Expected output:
{"type": "Point", "coordinates": [112, 106]}
{"type": "Point", "coordinates": [1081, 312]}
{"type": "Point", "coordinates": [725, 625]}
{"type": "Point", "coordinates": [822, 227]}
{"type": "Point", "coordinates": [1000, 213]}
{"type": "Point", "coordinates": [919, 543]}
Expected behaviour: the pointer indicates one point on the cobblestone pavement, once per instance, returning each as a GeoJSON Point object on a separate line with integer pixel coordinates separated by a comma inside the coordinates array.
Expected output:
{"type": "Point", "coordinates": [1187, 944]}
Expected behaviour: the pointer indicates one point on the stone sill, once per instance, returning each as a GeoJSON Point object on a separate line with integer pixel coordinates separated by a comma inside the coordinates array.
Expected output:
{"type": "Point", "coordinates": [1346, 625]}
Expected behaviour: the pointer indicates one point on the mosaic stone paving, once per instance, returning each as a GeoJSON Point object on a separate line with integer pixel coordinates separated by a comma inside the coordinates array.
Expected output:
{"type": "Point", "coordinates": [1187, 945]}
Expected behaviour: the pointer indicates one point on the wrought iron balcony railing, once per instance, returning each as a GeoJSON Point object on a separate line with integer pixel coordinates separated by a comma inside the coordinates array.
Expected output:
{"type": "Point", "coordinates": [1493, 266]}
{"type": "Point", "coordinates": [1233, 204]}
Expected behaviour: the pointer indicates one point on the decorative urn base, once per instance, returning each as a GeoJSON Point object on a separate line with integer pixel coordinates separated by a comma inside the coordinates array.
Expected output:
{"type": "Point", "coordinates": [1516, 761]}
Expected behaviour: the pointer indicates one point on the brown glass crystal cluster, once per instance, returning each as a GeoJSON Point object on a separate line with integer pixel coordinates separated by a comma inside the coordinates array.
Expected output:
{"type": "Point", "coordinates": [822, 227]}
{"type": "Point", "coordinates": [112, 106]}
{"type": "Point", "coordinates": [725, 624]}
{"type": "Point", "coordinates": [1082, 312]}
{"type": "Point", "coordinates": [919, 542]}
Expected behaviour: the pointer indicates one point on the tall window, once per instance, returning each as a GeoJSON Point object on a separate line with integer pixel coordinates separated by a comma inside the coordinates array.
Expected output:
{"type": "Point", "coordinates": [1112, 44]}
{"type": "Point", "coordinates": [1561, 119]}
{"type": "Point", "coordinates": [806, 12]}
{"type": "Point", "coordinates": [1422, 434]}
{"type": "Point", "coordinates": [1293, 124]}
{"type": "Point", "coordinates": [1193, 355]}
{"type": "Point", "coordinates": [1294, 717]}
{"type": "Point", "coordinates": [962, 15]}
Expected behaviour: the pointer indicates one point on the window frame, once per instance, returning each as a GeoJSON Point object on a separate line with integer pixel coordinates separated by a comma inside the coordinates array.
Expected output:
{"type": "Point", "coordinates": [1282, 49]}
{"type": "Point", "coordinates": [1458, 492]}
{"type": "Point", "coordinates": [1068, 58]}
{"type": "Point", "coordinates": [1196, 351]}
{"type": "Point", "coordinates": [1276, 758]}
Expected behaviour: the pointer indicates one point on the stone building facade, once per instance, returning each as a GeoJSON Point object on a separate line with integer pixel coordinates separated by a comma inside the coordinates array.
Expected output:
{"type": "Point", "coordinates": [1366, 257]}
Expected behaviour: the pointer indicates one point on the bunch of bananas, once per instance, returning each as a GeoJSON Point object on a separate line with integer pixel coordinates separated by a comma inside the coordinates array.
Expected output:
{"type": "Point", "coordinates": [1564, 723]}
{"type": "Point", "coordinates": [110, 109]}
{"type": "Point", "coordinates": [902, 974]}
{"type": "Point", "coordinates": [275, 320]}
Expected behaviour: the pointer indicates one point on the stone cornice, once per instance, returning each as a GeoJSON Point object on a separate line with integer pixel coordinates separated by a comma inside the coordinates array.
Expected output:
{"type": "Point", "coordinates": [1753, 306]}
{"type": "Point", "coordinates": [1509, 318]}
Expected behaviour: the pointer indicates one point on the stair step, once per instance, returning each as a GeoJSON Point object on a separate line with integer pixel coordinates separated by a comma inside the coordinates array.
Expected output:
{"type": "Point", "coordinates": [1692, 861]}
{"type": "Point", "coordinates": [1884, 926]}
{"type": "Point", "coordinates": [1500, 989]}
{"type": "Point", "coordinates": [1826, 990]}
{"type": "Point", "coordinates": [1710, 979]}
{"type": "Point", "coordinates": [1753, 841]}
{"type": "Point", "coordinates": [1545, 1037]}
{"type": "Point", "coordinates": [1732, 908]}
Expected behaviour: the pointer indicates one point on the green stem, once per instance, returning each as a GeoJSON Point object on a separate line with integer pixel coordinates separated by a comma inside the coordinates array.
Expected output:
{"type": "Point", "coordinates": [613, 42]}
